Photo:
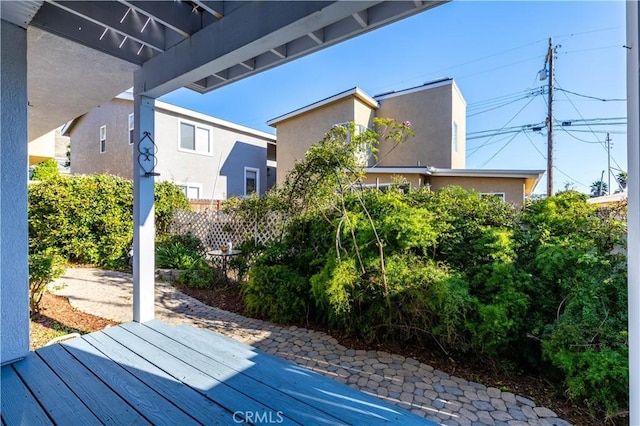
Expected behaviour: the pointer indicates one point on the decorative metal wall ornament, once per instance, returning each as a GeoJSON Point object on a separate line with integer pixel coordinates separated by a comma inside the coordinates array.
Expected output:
{"type": "Point", "coordinates": [147, 155]}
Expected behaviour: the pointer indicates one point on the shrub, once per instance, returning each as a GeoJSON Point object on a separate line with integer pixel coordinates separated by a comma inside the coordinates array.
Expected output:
{"type": "Point", "coordinates": [579, 285]}
{"type": "Point", "coordinates": [43, 269]}
{"type": "Point", "coordinates": [276, 292]}
{"type": "Point", "coordinates": [89, 219]}
{"type": "Point", "coordinates": [544, 287]}
{"type": "Point", "coordinates": [168, 197]}
{"type": "Point", "coordinates": [45, 170]}
{"type": "Point", "coordinates": [179, 252]}
{"type": "Point", "coordinates": [200, 276]}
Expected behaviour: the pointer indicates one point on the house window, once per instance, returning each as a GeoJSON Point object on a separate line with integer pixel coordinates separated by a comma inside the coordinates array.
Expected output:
{"type": "Point", "coordinates": [363, 153]}
{"type": "Point", "coordinates": [498, 195]}
{"type": "Point", "coordinates": [131, 136]}
{"type": "Point", "coordinates": [454, 137]}
{"type": "Point", "coordinates": [191, 190]}
{"type": "Point", "coordinates": [195, 138]}
{"type": "Point", "coordinates": [103, 139]}
{"type": "Point", "coordinates": [251, 180]}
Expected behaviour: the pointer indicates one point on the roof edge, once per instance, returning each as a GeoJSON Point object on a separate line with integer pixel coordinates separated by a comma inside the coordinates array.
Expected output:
{"type": "Point", "coordinates": [128, 96]}
{"type": "Point", "coordinates": [355, 92]}
{"type": "Point", "coordinates": [446, 81]}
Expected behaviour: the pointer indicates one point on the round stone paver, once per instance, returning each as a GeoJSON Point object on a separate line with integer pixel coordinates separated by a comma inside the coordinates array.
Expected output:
{"type": "Point", "coordinates": [405, 382]}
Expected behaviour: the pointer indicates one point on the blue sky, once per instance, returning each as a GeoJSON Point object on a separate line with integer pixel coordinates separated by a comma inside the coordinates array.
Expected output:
{"type": "Point", "coordinates": [494, 51]}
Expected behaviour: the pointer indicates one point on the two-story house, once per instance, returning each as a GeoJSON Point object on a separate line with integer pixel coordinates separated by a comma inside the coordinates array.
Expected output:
{"type": "Point", "coordinates": [434, 157]}
{"type": "Point", "coordinates": [209, 157]}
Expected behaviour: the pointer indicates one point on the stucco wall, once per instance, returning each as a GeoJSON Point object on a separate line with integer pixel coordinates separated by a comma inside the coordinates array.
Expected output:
{"type": "Point", "coordinates": [42, 148]}
{"type": "Point", "coordinates": [297, 134]}
{"type": "Point", "coordinates": [85, 141]}
{"type": "Point", "coordinates": [513, 188]}
{"type": "Point", "coordinates": [231, 151]}
{"type": "Point", "coordinates": [430, 112]}
{"type": "Point", "coordinates": [14, 272]}
{"type": "Point", "coordinates": [459, 117]}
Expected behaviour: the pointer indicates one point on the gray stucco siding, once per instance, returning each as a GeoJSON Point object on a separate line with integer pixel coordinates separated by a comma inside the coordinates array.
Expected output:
{"type": "Point", "coordinates": [230, 151]}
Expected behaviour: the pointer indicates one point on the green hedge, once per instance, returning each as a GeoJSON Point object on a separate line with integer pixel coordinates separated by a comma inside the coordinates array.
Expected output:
{"type": "Point", "coordinates": [89, 219]}
{"type": "Point", "coordinates": [541, 288]}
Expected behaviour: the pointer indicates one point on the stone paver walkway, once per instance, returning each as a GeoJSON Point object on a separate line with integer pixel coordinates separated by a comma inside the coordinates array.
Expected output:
{"type": "Point", "coordinates": [406, 382]}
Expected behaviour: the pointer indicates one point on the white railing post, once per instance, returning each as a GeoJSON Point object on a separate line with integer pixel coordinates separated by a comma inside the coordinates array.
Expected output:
{"type": "Point", "coordinates": [144, 161]}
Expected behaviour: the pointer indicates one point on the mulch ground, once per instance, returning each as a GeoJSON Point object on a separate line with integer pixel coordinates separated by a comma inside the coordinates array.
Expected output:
{"type": "Point", "coordinates": [59, 317]}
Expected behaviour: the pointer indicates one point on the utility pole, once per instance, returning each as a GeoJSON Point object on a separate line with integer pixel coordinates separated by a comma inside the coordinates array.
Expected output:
{"type": "Point", "coordinates": [609, 163]}
{"type": "Point", "coordinates": [550, 59]}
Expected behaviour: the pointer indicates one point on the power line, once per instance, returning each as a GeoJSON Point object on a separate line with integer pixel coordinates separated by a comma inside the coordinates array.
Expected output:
{"type": "Point", "coordinates": [566, 175]}
{"type": "Point", "coordinates": [499, 99]}
{"type": "Point", "coordinates": [530, 94]}
{"type": "Point", "coordinates": [578, 139]}
{"type": "Point", "coordinates": [617, 46]}
{"type": "Point", "coordinates": [498, 151]}
{"type": "Point", "coordinates": [505, 125]}
{"type": "Point", "coordinates": [439, 72]}
{"type": "Point", "coordinates": [534, 146]}
{"type": "Point", "coordinates": [601, 143]}
{"type": "Point", "coordinates": [593, 97]}
{"type": "Point", "coordinates": [567, 36]}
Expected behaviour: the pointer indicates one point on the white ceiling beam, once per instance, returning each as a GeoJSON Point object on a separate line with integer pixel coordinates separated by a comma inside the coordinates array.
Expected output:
{"type": "Point", "coordinates": [250, 64]}
{"type": "Point", "coordinates": [213, 7]}
{"type": "Point", "coordinates": [361, 18]}
{"type": "Point", "coordinates": [177, 16]}
{"type": "Point", "coordinates": [93, 12]}
{"type": "Point", "coordinates": [280, 52]}
{"type": "Point", "coordinates": [317, 36]}
{"type": "Point", "coordinates": [222, 75]}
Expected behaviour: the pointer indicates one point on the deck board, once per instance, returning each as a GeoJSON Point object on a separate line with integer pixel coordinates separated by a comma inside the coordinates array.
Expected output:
{"type": "Point", "coordinates": [197, 405]}
{"type": "Point", "coordinates": [153, 373]}
{"type": "Point", "coordinates": [184, 371]}
{"type": "Point", "coordinates": [267, 393]}
{"type": "Point", "coordinates": [355, 407]}
{"type": "Point", "coordinates": [62, 405]}
{"type": "Point", "coordinates": [107, 405]}
{"type": "Point", "coordinates": [18, 405]}
{"type": "Point", "coordinates": [154, 407]}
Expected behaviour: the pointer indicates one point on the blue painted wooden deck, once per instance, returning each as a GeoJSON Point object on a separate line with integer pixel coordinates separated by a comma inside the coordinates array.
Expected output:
{"type": "Point", "coordinates": [153, 373]}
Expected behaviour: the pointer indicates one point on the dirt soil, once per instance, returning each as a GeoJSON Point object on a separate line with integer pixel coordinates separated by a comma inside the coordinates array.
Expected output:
{"type": "Point", "coordinates": [59, 317]}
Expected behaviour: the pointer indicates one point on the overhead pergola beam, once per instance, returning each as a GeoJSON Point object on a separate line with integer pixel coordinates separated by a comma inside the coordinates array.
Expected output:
{"type": "Point", "coordinates": [361, 18]}
{"type": "Point", "coordinates": [177, 16]}
{"type": "Point", "coordinates": [258, 27]}
{"type": "Point", "coordinates": [317, 36]}
{"type": "Point", "coordinates": [86, 32]}
{"type": "Point", "coordinates": [269, 33]}
{"type": "Point", "coordinates": [280, 52]}
{"type": "Point", "coordinates": [118, 18]}
{"type": "Point", "coordinates": [216, 8]}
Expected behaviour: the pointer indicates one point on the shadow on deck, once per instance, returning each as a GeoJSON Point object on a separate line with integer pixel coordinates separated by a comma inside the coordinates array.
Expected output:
{"type": "Point", "coordinates": [153, 373]}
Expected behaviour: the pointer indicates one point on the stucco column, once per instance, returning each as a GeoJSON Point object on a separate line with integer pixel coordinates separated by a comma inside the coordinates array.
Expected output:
{"type": "Point", "coordinates": [633, 184]}
{"type": "Point", "coordinates": [14, 269]}
{"type": "Point", "coordinates": [143, 213]}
